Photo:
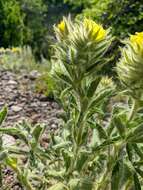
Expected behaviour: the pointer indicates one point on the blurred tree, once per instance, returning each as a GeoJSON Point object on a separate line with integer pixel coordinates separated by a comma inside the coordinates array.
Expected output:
{"type": "Point", "coordinates": [36, 31]}
{"type": "Point", "coordinates": [11, 23]}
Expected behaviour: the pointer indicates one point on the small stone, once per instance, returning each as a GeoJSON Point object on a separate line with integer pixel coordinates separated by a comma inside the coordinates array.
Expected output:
{"type": "Point", "coordinates": [34, 74]}
{"type": "Point", "coordinates": [53, 126]}
{"type": "Point", "coordinates": [8, 140]}
{"type": "Point", "coordinates": [14, 117]}
{"type": "Point", "coordinates": [12, 82]}
{"type": "Point", "coordinates": [16, 108]}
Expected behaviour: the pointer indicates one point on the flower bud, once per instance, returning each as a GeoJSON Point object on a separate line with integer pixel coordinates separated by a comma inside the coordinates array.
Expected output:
{"type": "Point", "coordinates": [130, 67]}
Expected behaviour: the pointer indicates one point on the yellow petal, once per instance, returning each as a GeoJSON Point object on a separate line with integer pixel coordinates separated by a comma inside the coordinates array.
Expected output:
{"type": "Point", "coordinates": [97, 31]}
{"type": "Point", "coordinates": [61, 26]}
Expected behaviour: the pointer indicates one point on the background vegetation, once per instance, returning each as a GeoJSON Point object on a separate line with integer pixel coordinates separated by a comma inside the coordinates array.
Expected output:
{"type": "Point", "coordinates": [24, 22]}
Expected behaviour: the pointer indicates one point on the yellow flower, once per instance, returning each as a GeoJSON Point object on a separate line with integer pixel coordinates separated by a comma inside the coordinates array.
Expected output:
{"type": "Point", "coordinates": [137, 38]}
{"type": "Point", "coordinates": [15, 49]}
{"type": "Point", "coordinates": [130, 67]}
{"type": "Point", "coordinates": [97, 31]}
{"type": "Point", "coordinates": [61, 26]}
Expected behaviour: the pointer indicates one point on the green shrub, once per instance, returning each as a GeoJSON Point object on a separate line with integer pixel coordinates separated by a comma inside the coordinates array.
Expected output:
{"type": "Point", "coordinates": [96, 148]}
{"type": "Point", "coordinates": [36, 31]}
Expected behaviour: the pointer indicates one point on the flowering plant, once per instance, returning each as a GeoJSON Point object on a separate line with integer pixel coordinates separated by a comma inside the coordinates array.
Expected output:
{"type": "Point", "coordinates": [99, 144]}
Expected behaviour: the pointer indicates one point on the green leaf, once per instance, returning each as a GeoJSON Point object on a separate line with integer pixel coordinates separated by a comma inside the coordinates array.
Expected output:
{"type": "Point", "coordinates": [58, 186]}
{"type": "Point", "coordinates": [139, 171]}
{"type": "Point", "coordinates": [12, 162]}
{"type": "Point", "coordinates": [100, 98]}
{"type": "Point", "coordinates": [94, 139]}
{"type": "Point", "coordinates": [3, 155]}
{"type": "Point", "coordinates": [3, 114]}
{"type": "Point", "coordinates": [81, 184]}
{"type": "Point", "coordinates": [74, 184]}
{"type": "Point", "coordinates": [67, 158]}
{"type": "Point", "coordinates": [65, 79]}
{"type": "Point", "coordinates": [121, 175]}
{"type": "Point", "coordinates": [137, 185]}
{"type": "Point", "coordinates": [129, 149]}
{"type": "Point", "coordinates": [92, 88]}
{"type": "Point", "coordinates": [36, 133]}
{"type": "Point", "coordinates": [120, 127]}
{"type": "Point", "coordinates": [101, 131]}
{"type": "Point", "coordinates": [56, 174]}
{"type": "Point", "coordinates": [138, 150]}
{"type": "Point", "coordinates": [61, 145]}
{"type": "Point", "coordinates": [136, 134]}
{"type": "Point", "coordinates": [83, 157]}
{"type": "Point", "coordinates": [115, 177]}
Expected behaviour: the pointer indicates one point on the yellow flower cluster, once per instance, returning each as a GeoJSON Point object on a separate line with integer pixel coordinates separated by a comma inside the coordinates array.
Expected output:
{"type": "Point", "coordinates": [96, 30]}
{"type": "Point", "coordinates": [137, 38]}
{"type": "Point", "coordinates": [15, 49]}
{"type": "Point", "coordinates": [8, 50]}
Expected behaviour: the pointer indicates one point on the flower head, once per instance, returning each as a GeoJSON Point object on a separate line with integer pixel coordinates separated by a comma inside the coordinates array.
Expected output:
{"type": "Point", "coordinates": [137, 38]}
{"type": "Point", "coordinates": [96, 30]}
{"type": "Point", "coordinates": [130, 67]}
{"type": "Point", "coordinates": [61, 26]}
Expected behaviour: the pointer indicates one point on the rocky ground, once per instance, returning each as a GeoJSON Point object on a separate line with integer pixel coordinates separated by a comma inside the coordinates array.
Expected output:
{"type": "Point", "coordinates": [17, 92]}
